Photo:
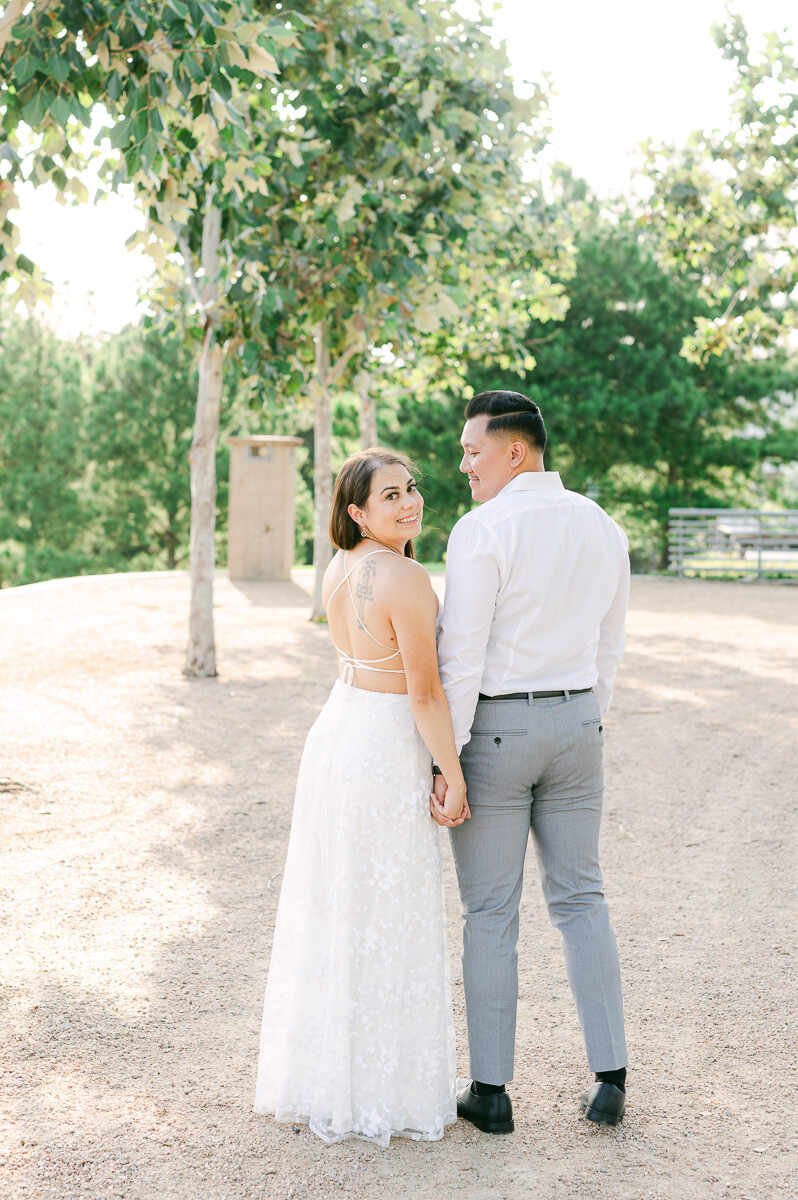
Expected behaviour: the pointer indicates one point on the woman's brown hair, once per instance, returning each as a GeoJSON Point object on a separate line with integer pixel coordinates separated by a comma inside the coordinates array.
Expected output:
{"type": "Point", "coordinates": [353, 485]}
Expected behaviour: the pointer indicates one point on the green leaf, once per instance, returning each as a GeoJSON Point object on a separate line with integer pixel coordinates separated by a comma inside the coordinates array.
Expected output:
{"type": "Point", "coordinates": [132, 161]}
{"type": "Point", "coordinates": [183, 84]}
{"type": "Point", "coordinates": [114, 85]}
{"type": "Point", "coordinates": [58, 67]}
{"type": "Point", "coordinates": [26, 67]}
{"type": "Point", "coordinates": [193, 67]}
{"type": "Point", "coordinates": [79, 109]}
{"type": "Point", "coordinates": [129, 36]}
{"type": "Point", "coordinates": [777, 199]}
{"type": "Point", "coordinates": [148, 149]}
{"type": "Point", "coordinates": [682, 190]}
{"type": "Point", "coordinates": [34, 112]}
{"type": "Point", "coordinates": [210, 12]}
{"type": "Point", "coordinates": [158, 87]}
{"type": "Point", "coordinates": [119, 134]}
{"type": "Point", "coordinates": [60, 110]}
{"type": "Point", "coordinates": [222, 85]}
{"type": "Point", "coordinates": [240, 137]}
{"type": "Point", "coordinates": [141, 125]}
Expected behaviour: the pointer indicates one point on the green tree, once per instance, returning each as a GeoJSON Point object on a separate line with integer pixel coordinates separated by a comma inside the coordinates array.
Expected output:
{"type": "Point", "coordinates": [362, 196]}
{"type": "Point", "coordinates": [630, 419]}
{"type": "Point", "coordinates": [42, 452]}
{"type": "Point", "coordinates": [138, 426]}
{"type": "Point", "coordinates": [176, 79]}
{"type": "Point", "coordinates": [389, 211]}
{"type": "Point", "coordinates": [426, 424]}
{"type": "Point", "coordinates": [723, 207]}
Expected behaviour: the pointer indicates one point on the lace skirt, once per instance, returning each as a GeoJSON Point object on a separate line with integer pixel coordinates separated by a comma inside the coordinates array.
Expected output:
{"type": "Point", "coordinates": [357, 1037]}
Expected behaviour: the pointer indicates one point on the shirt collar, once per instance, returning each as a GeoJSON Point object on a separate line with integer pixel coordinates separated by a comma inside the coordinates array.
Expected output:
{"type": "Point", "coordinates": [534, 481]}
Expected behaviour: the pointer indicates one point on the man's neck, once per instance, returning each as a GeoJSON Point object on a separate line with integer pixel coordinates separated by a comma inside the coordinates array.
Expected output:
{"type": "Point", "coordinates": [532, 468]}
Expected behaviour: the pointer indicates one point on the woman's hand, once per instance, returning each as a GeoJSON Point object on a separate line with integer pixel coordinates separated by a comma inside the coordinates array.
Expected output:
{"type": "Point", "coordinates": [449, 804]}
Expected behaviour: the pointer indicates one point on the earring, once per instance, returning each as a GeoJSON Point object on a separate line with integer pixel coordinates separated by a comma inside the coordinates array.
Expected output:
{"type": "Point", "coordinates": [362, 531]}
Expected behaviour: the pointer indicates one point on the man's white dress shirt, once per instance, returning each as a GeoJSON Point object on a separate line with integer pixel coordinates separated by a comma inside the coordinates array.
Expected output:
{"type": "Point", "coordinates": [537, 586]}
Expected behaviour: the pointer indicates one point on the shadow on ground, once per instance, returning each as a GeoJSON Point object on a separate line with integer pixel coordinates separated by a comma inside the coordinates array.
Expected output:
{"type": "Point", "coordinates": [142, 875]}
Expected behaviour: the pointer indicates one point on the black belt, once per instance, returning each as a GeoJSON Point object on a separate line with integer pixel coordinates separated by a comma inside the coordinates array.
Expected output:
{"type": "Point", "coordinates": [536, 695]}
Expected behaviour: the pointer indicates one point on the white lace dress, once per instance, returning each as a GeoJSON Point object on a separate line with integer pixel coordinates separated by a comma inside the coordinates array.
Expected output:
{"type": "Point", "coordinates": [357, 1037]}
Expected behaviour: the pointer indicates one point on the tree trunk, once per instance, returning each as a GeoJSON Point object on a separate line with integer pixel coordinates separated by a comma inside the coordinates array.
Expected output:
{"type": "Point", "coordinates": [674, 479]}
{"type": "Point", "coordinates": [201, 650]}
{"type": "Point", "coordinates": [368, 410]}
{"type": "Point", "coordinates": [322, 467]}
{"type": "Point", "coordinates": [12, 13]}
{"type": "Point", "coordinates": [170, 541]}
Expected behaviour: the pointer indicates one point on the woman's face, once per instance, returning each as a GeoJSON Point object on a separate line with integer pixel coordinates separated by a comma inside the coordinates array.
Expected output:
{"type": "Point", "coordinates": [394, 508]}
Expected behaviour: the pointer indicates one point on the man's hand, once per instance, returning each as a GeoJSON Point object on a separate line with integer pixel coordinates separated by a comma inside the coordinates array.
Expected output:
{"type": "Point", "coordinates": [436, 803]}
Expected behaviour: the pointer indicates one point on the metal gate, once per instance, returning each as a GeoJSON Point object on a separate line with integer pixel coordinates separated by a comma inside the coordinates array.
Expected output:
{"type": "Point", "coordinates": [733, 541]}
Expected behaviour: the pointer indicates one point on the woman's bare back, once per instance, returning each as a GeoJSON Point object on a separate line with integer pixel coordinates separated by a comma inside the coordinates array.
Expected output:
{"type": "Point", "coordinates": [358, 616]}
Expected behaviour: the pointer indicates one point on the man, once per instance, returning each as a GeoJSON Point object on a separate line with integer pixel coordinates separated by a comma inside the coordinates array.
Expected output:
{"type": "Point", "coordinates": [537, 584]}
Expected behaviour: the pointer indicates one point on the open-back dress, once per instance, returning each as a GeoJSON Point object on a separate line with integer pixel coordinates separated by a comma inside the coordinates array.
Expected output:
{"type": "Point", "coordinates": [357, 1037]}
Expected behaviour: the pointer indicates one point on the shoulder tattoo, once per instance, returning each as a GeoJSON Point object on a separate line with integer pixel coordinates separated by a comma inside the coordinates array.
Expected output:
{"type": "Point", "coordinates": [364, 590]}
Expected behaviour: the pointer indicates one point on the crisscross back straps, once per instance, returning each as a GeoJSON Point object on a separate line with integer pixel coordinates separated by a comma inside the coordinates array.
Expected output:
{"type": "Point", "coordinates": [349, 661]}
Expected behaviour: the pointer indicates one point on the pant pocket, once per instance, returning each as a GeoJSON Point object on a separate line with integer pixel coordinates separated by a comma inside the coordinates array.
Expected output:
{"type": "Point", "coordinates": [498, 735]}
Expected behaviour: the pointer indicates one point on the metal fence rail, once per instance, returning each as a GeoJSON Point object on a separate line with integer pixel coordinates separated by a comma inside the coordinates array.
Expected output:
{"type": "Point", "coordinates": [733, 541]}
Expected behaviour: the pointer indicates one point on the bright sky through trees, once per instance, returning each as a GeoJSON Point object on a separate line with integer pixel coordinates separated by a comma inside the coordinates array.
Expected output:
{"type": "Point", "coordinates": [622, 71]}
{"type": "Point", "coordinates": [626, 70]}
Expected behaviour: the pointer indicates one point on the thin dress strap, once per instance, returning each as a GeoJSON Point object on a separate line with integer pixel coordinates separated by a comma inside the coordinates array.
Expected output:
{"type": "Point", "coordinates": [349, 662]}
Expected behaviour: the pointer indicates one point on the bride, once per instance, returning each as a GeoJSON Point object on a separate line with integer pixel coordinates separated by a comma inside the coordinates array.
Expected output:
{"type": "Point", "coordinates": [357, 1037]}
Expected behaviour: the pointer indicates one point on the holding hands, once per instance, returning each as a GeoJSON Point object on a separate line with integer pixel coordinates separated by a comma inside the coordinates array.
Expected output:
{"type": "Point", "coordinates": [448, 803]}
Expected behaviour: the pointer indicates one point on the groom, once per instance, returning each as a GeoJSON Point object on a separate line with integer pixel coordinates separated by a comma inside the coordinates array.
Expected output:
{"type": "Point", "coordinates": [537, 584]}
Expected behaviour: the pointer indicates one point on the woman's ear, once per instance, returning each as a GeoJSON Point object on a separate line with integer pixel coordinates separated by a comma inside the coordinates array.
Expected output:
{"type": "Point", "coordinates": [357, 514]}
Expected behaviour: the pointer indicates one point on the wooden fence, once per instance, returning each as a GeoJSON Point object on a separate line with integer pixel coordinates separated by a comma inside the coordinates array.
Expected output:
{"type": "Point", "coordinates": [733, 541]}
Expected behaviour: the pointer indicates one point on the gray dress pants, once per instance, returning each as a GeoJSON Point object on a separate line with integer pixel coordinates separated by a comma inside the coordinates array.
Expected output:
{"type": "Point", "coordinates": [535, 765]}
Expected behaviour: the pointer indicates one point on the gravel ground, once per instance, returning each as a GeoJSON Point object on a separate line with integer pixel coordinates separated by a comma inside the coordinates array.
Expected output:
{"type": "Point", "coordinates": [145, 820]}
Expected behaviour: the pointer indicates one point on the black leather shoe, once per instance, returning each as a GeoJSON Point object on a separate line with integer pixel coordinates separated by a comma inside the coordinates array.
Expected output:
{"type": "Point", "coordinates": [491, 1114]}
{"type": "Point", "coordinates": [603, 1103]}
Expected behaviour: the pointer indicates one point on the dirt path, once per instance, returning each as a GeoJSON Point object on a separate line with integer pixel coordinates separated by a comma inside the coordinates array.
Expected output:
{"type": "Point", "coordinates": [144, 826]}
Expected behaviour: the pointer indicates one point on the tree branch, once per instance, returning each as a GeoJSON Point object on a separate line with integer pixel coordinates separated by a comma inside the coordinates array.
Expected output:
{"type": "Point", "coordinates": [732, 302]}
{"type": "Point", "coordinates": [193, 282]}
{"type": "Point", "coordinates": [211, 233]}
{"type": "Point", "coordinates": [337, 371]}
{"type": "Point", "coordinates": [9, 19]}
{"type": "Point", "coordinates": [541, 341]}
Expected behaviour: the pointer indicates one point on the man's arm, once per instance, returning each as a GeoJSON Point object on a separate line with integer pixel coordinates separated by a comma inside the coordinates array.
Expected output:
{"type": "Point", "coordinates": [612, 637]}
{"type": "Point", "coordinates": [472, 584]}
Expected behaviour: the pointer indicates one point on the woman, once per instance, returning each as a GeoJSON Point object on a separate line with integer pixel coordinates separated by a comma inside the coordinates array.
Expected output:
{"type": "Point", "coordinates": [357, 1036]}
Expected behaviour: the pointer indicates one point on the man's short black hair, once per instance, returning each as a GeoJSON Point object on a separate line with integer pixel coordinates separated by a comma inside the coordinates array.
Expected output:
{"type": "Point", "coordinates": [511, 413]}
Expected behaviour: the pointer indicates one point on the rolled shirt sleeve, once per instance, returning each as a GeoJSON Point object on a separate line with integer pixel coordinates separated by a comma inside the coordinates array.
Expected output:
{"type": "Point", "coordinates": [612, 636]}
{"type": "Point", "coordinates": [472, 584]}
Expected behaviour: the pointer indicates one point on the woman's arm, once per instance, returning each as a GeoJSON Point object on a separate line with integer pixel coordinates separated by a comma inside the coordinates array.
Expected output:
{"type": "Point", "coordinates": [412, 613]}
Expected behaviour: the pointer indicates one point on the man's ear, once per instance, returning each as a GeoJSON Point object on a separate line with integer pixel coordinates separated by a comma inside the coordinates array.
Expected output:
{"type": "Point", "coordinates": [518, 453]}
